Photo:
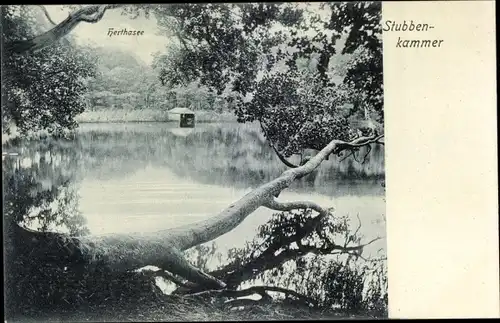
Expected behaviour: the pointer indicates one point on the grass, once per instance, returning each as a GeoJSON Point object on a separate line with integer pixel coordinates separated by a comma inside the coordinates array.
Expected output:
{"type": "Point", "coordinates": [146, 115]}
{"type": "Point", "coordinates": [178, 309]}
{"type": "Point", "coordinates": [127, 297]}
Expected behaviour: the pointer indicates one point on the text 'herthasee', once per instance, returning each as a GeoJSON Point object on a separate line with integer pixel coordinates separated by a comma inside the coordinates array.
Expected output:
{"type": "Point", "coordinates": [390, 25]}
{"type": "Point", "coordinates": [124, 32]}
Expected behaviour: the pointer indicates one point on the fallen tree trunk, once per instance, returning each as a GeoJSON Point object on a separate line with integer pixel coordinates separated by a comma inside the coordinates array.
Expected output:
{"type": "Point", "coordinates": [125, 252]}
{"type": "Point", "coordinates": [269, 255]}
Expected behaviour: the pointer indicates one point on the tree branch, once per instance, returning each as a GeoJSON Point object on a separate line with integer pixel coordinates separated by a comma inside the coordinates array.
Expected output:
{"type": "Point", "coordinates": [207, 230]}
{"type": "Point", "coordinates": [288, 206]}
{"type": "Point", "coordinates": [177, 264]}
{"type": "Point", "coordinates": [367, 153]}
{"type": "Point", "coordinates": [361, 141]}
{"type": "Point", "coordinates": [280, 156]}
{"type": "Point", "coordinates": [90, 14]}
{"type": "Point", "coordinates": [123, 252]}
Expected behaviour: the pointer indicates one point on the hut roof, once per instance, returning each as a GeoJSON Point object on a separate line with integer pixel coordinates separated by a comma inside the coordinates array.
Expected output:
{"type": "Point", "coordinates": [181, 111]}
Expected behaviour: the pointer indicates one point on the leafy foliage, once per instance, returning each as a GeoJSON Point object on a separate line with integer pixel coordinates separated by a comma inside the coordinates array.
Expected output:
{"type": "Point", "coordinates": [42, 90]}
{"type": "Point", "coordinates": [309, 114]}
{"type": "Point", "coordinates": [219, 43]}
{"type": "Point", "coordinates": [257, 52]}
{"type": "Point", "coordinates": [121, 81]}
{"type": "Point", "coordinates": [364, 75]}
{"type": "Point", "coordinates": [303, 253]}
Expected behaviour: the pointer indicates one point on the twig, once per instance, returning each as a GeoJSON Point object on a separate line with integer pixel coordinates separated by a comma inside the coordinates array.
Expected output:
{"type": "Point", "coordinates": [346, 156]}
{"type": "Point", "coordinates": [280, 156]}
{"type": "Point", "coordinates": [363, 141]}
{"type": "Point", "coordinates": [367, 153]}
{"type": "Point", "coordinates": [359, 225]}
{"type": "Point", "coordinates": [47, 14]}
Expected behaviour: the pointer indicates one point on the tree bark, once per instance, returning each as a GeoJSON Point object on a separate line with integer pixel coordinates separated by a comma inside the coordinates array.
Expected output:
{"type": "Point", "coordinates": [125, 252]}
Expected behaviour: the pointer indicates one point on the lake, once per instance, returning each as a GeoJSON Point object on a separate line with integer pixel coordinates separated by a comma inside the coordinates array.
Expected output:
{"type": "Point", "coordinates": [139, 177]}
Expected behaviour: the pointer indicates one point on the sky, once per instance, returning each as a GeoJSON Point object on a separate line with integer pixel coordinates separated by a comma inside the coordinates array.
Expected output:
{"type": "Point", "coordinates": [142, 46]}
{"type": "Point", "coordinates": [97, 34]}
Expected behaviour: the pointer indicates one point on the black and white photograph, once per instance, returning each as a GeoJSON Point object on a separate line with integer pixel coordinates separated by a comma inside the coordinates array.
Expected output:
{"type": "Point", "coordinates": [193, 162]}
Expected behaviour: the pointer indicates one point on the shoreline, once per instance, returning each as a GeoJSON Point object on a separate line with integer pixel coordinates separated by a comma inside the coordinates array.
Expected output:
{"type": "Point", "coordinates": [123, 116]}
{"type": "Point", "coordinates": [153, 121]}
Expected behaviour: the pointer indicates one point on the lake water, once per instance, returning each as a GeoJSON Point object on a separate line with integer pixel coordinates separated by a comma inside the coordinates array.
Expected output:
{"type": "Point", "coordinates": [149, 176]}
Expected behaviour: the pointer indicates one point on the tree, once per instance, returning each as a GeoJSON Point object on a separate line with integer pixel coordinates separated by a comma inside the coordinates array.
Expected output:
{"type": "Point", "coordinates": [42, 90]}
{"type": "Point", "coordinates": [254, 50]}
{"type": "Point", "coordinates": [123, 75]}
{"type": "Point", "coordinates": [125, 252]}
{"type": "Point", "coordinates": [251, 53]}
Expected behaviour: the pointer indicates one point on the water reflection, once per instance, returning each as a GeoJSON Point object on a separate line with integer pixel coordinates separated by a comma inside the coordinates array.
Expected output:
{"type": "Point", "coordinates": [38, 191]}
{"type": "Point", "coordinates": [142, 177]}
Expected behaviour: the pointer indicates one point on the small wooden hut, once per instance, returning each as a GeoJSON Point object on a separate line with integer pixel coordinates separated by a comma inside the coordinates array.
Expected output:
{"type": "Point", "coordinates": [185, 116]}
